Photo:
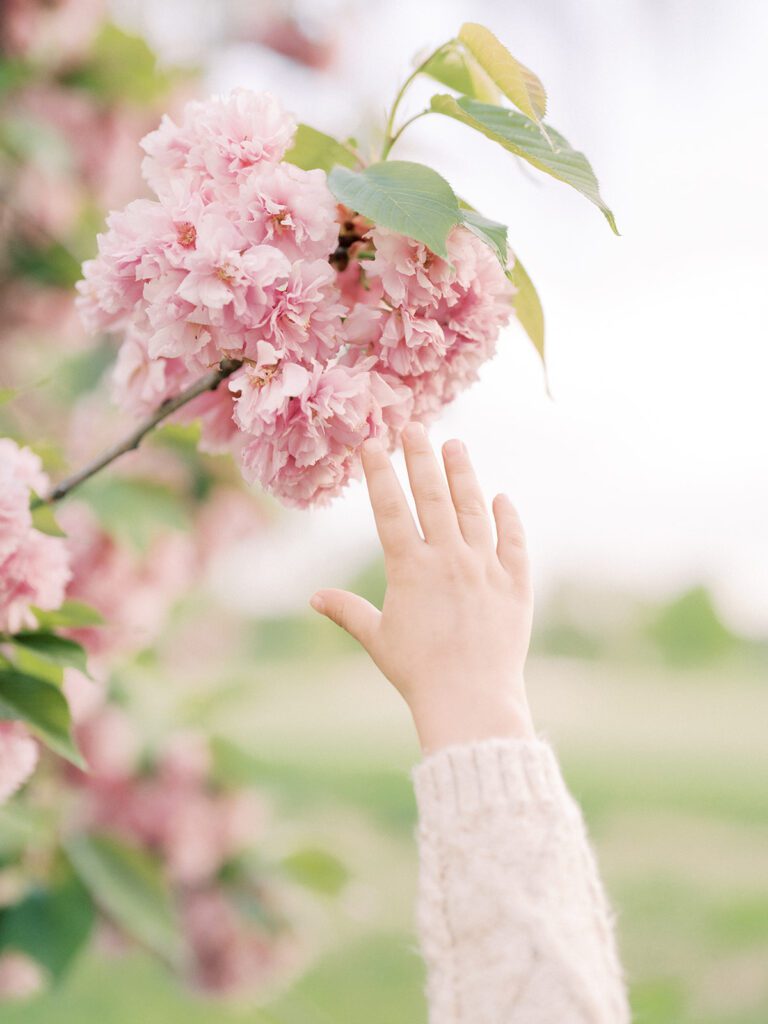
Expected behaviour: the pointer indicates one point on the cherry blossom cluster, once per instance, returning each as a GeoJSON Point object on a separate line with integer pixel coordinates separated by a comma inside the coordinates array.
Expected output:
{"type": "Point", "coordinates": [34, 571]}
{"type": "Point", "coordinates": [34, 567]}
{"type": "Point", "coordinates": [167, 805]}
{"type": "Point", "coordinates": [345, 331]}
{"type": "Point", "coordinates": [133, 592]}
{"type": "Point", "coordinates": [174, 812]}
{"type": "Point", "coordinates": [163, 802]}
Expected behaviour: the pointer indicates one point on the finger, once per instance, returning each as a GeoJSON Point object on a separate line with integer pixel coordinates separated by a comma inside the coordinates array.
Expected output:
{"type": "Point", "coordinates": [510, 546]}
{"type": "Point", "coordinates": [394, 522]}
{"type": "Point", "coordinates": [430, 491]}
{"type": "Point", "coordinates": [468, 500]}
{"type": "Point", "coordinates": [353, 613]}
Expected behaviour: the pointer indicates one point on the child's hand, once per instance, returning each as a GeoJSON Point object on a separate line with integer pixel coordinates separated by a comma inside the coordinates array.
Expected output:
{"type": "Point", "coordinates": [454, 630]}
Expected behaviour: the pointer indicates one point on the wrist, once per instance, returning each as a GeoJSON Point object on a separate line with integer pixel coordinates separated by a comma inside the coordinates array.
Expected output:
{"type": "Point", "coordinates": [447, 723]}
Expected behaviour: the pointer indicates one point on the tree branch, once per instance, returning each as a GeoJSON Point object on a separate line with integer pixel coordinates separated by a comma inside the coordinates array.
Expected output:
{"type": "Point", "coordinates": [208, 382]}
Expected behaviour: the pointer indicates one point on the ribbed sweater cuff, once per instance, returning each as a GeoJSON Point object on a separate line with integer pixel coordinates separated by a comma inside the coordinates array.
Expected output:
{"type": "Point", "coordinates": [510, 773]}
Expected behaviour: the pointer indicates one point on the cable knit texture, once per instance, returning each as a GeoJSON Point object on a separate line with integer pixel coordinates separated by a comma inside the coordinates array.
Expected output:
{"type": "Point", "coordinates": [513, 921]}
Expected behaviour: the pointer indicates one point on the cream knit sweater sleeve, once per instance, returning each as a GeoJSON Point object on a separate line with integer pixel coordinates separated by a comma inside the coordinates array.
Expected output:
{"type": "Point", "coordinates": [513, 921]}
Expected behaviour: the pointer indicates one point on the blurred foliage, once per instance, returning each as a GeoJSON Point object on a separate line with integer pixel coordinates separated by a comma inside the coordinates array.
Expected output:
{"type": "Point", "coordinates": [689, 631]}
{"type": "Point", "coordinates": [564, 639]}
{"type": "Point", "coordinates": [135, 510]}
{"type": "Point", "coordinates": [121, 66]}
{"type": "Point", "coordinates": [317, 869]}
{"type": "Point", "coordinates": [379, 980]}
{"type": "Point", "coordinates": [48, 264]}
{"type": "Point", "coordinates": [371, 582]}
{"type": "Point", "coordinates": [684, 631]}
{"type": "Point", "coordinates": [82, 372]}
{"type": "Point", "coordinates": [51, 924]}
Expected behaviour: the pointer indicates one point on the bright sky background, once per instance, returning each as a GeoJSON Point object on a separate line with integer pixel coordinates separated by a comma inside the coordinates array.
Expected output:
{"type": "Point", "coordinates": [649, 470]}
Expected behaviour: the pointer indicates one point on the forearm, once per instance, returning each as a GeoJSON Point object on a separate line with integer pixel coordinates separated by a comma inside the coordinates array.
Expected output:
{"type": "Point", "coordinates": [513, 921]}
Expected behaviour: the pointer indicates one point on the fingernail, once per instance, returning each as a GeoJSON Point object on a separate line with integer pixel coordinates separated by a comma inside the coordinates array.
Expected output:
{"type": "Point", "coordinates": [317, 602]}
{"type": "Point", "coordinates": [372, 445]}
{"type": "Point", "coordinates": [414, 431]}
{"type": "Point", "coordinates": [454, 447]}
{"type": "Point", "coordinates": [503, 499]}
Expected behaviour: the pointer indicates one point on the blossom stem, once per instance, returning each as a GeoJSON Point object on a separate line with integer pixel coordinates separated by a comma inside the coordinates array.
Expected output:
{"type": "Point", "coordinates": [390, 135]}
{"type": "Point", "coordinates": [208, 382]}
{"type": "Point", "coordinates": [390, 142]}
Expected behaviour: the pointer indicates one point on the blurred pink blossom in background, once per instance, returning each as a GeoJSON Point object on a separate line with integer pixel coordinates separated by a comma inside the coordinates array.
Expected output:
{"type": "Point", "coordinates": [34, 567]}
{"type": "Point", "coordinates": [18, 757]}
{"type": "Point", "coordinates": [133, 591]}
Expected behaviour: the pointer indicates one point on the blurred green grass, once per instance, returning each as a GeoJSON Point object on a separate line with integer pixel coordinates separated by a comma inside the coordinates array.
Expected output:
{"type": "Point", "coordinates": [667, 757]}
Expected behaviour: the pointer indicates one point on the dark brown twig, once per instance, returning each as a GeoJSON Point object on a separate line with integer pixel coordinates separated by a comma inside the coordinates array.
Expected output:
{"type": "Point", "coordinates": [208, 382]}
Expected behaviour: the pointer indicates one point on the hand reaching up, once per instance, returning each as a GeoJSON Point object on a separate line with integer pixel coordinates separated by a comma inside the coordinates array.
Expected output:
{"type": "Point", "coordinates": [454, 630]}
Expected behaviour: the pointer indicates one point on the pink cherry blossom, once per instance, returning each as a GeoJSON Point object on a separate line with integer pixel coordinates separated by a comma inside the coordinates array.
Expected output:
{"type": "Point", "coordinates": [355, 285]}
{"type": "Point", "coordinates": [109, 743]}
{"type": "Point", "coordinates": [305, 445]}
{"type": "Point", "coordinates": [405, 343]}
{"type": "Point", "coordinates": [344, 329]}
{"type": "Point", "coordinates": [446, 317]}
{"type": "Point", "coordinates": [305, 321]}
{"type": "Point", "coordinates": [34, 567]}
{"type": "Point", "coordinates": [291, 209]}
{"type": "Point", "coordinates": [229, 517]}
{"type": "Point", "coordinates": [49, 199]}
{"type": "Point", "coordinates": [15, 516]}
{"type": "Point", "coordinates": [173, 810]}
{"type": "Point", "coordinates": [129, 252]}
{"type": "Point", "coordinates": [231, 954]}
{"type": "Point", "coordinates": [220, 140]}
{"type": "Point", "coordinates": [58, 33]}
{"type": "Point", "coordinates": [35, 574]}
{"type": "Point", "coordinates": [84, 694]}
{"type": "Point", "coordinates": [221, 267]}
{"type": "Point", "coordinates": [18, 757]}
{"type": "Point", "coordinates": [139, 382]}
{"type": "Point", "coordinates": [132, 590]}
{"type": "Point", "coordinates": [215, 410]}
{"type": "Point", "coordinates": [20, 976]}
{"type": "Point", "coordinates": [21, 465]}
{"type": "Point", "coordinates": [411, 275]}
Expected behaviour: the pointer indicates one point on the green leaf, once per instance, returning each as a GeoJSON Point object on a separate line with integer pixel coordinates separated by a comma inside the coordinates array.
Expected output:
{"type": "Point", "coordinates": [120, 66]}
{"type": "Point", "coordinates": [516, 81]}
{"type": "Point", "coordinates": [25, 830]}
{"type": "Point", "coordinates": [43, 707]}
{"type": "Point", "coordinates": [528, 306]}
{"type": "Point", "coordinates": [31, 664]}
{"type": "Point", "coordinates": [71, 615]}
{"type": "Point", "coordinates": [7, 395]}
{"type": "Point", "coordinates": [14, 73]}
{"type": "Point", "coordinates": [520, 136]}
{"type": "Point", "coordinates": [459, 70]}
{"type": "Point", "coordinates": [52, 264]}
{"type": "Point", "coordinates": [58, 649]}
{"type": "Point", "coordinates": [488, 231]}
{"type": "Point", "coordinates": [36, 140]}
{"type": "Point", "coordinates": [128, 885]}
{"type": "Point", "coordinates": [316, 869]}
{"type": "Point", "coordinates": [81, 373]}
{"type": "Point", "coordinates": [312, 149]}
{"type": "Point", "coordinates": [405, 197]}
{"type": "Point", "coordinates": [44, 520]}
{"type": "Point", "coordinates": [51, 925]}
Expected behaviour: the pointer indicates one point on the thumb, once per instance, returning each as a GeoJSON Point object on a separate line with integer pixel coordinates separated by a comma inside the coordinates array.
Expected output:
{"type": "Point", "coordinates": [353, 613]}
